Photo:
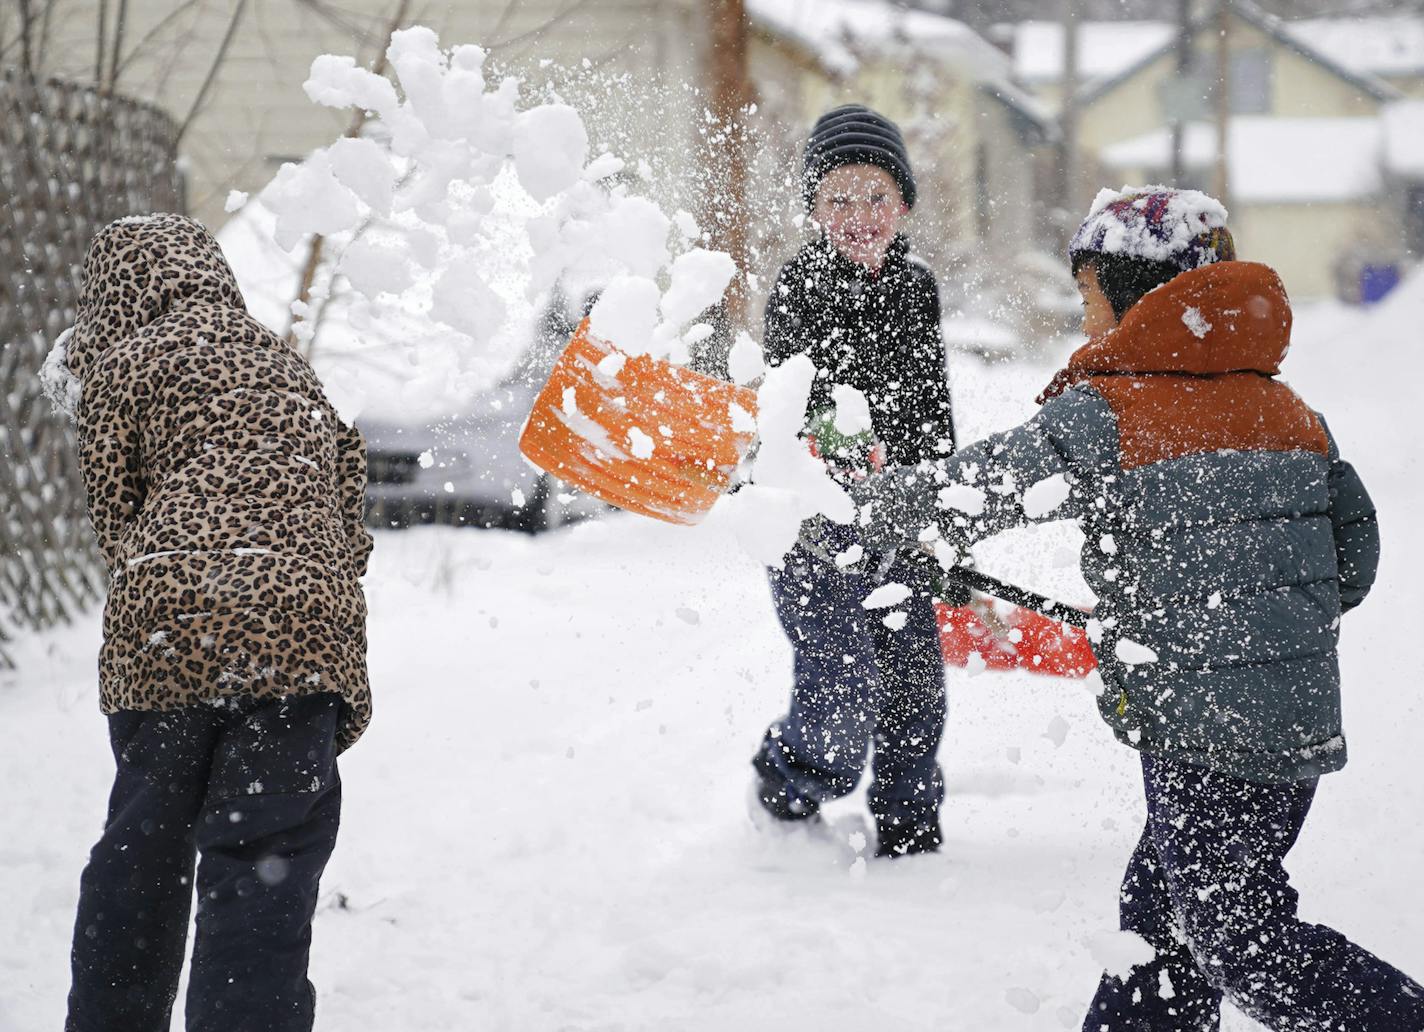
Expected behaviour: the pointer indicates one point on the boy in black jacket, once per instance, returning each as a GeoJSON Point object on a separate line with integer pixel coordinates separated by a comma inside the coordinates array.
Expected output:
{"type": "Point", "coordinates": [867, 315]}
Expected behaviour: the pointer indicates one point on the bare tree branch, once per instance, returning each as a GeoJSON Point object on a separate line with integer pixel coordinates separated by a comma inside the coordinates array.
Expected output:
{"type": "Point", "coordinates": [27, 59]}
{"type": "Point", "coordinates": [100, 45]}
{"type": "Point", "coordinates": [356, 27]}
{"type": "Point", "coordinates": [534, 34]}
{"type": "Point", "coordinates": [316, 252]}
{"type": "Point", "coordinates": [503, 20]}
{"type": "Point", "coordinates": [42, 50]}
{"type": "Point", "coordinates": [212, 75]}
{"type": "Point", "coordinates": [120, 20]}
{"type": "Point", "coordinates": [152, 34]}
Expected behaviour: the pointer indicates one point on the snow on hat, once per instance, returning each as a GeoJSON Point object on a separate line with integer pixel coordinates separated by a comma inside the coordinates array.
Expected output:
{"type": "Point", "coordinates": [855, 135]}
{"type": "Point", "coordinates": [1185, 228]}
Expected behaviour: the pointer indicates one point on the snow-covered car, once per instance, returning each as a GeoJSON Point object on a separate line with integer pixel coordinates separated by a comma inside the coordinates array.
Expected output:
{"type": "Point", "coordinates": [465, 469]}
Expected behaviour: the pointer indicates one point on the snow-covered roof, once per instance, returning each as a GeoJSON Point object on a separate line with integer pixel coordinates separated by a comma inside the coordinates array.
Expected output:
{"type": "Point", "coordinates": [840, 34]}
{"type": "Point", "coordinates": [1391, 45]}
{"type": "Point", "coordinates": [1280, 160]}
{"type": "Point", "coordinates": [1404, 138]}
{"type": "Point", "coordinates": [1104, 48]}
{"type": "Point", "coordinates": [1250, 12]}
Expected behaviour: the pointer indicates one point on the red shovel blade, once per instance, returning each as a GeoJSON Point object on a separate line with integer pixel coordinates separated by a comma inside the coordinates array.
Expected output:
{"type": "Point", "coordinates": [638, 432]}
{"type": "Point", "coordinates": [1027, 639]}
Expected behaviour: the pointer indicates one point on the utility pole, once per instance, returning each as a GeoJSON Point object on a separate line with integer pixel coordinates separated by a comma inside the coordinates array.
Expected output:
{"type": "Point", "coordinates": [1068, 115]}
{"type": "Point", "coordinates": [1222, 184]}
{"type": "Point", "coordinates": [1184, 68]}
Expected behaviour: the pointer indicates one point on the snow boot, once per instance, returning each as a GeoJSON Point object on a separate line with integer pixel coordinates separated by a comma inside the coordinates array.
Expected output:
{"type": "Point", "coordinates": [897, 837]}
{"type": "Point", "coordinates": [775, 797]}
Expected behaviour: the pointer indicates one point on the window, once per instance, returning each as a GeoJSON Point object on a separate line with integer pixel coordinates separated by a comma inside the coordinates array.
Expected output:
{"type": "Point", "coordinates": [1250, 82]}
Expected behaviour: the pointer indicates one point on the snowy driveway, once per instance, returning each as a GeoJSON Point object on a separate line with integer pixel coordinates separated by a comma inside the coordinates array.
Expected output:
{"type": "Point", "coordinates": [544, 828]}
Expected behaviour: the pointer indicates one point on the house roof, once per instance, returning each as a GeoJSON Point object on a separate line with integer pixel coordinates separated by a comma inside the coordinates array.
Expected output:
{"type": "Point", "coordinates": [1383, 46]}
{"type": "Point", "coordinates": [1390, 45]}
{"type": "Point", "coordinates": [839, 34]}
{"type": "Point", "coordinates": [1035, 121]}
{"type": "Point", "coordinates": [1104, 48]}
{"type": "Point", "coordinates": [1278, 29]}
{"type": "Point", "coordinates": [1404, 139]}
{"type": "Point", "coordinates": [1272, 160]}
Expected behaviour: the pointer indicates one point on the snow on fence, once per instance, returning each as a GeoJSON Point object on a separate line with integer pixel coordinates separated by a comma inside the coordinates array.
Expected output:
{"type": "Point", "coordinates": [71, 160]}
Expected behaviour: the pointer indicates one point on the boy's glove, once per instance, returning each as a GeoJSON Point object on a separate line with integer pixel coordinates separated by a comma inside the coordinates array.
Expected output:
{"type": "Point", "coordinates": [942, 586]}
{"type": "Point", "coordinates": [848, 457]}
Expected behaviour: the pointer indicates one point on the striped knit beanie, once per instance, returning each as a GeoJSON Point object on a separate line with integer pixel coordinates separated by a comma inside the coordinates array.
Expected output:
{"type": "Point", "coordinates": [855, 135]}
{"type": "Point", "coordinates": [1185, 228]}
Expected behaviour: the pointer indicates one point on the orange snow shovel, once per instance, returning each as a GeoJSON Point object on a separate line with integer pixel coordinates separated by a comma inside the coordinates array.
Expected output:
{"type": "Point", "coordinates": [636, 431]}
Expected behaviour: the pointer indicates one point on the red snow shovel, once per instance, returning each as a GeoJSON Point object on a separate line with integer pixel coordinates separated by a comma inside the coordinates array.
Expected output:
{"type": "Point", "coordinates": [1037, 634]}
{"type": "Point", "coordinates": [636, 431]}
{"type": "Point", "coordinates": [655, 439]}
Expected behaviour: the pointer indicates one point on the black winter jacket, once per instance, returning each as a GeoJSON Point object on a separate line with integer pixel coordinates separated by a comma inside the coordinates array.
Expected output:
{"type": "Point", "coordinates": [878, 332]}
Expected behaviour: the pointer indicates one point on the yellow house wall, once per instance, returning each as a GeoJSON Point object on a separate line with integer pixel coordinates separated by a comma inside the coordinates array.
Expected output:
{"type": "Point", "coordinates": [1303, 241]}
{"type": "Point", "coordinates": [1300, 88]}
{"type": "Point", "coordinates": [1409, 85]}
{"type": "Point", "coordinates": [1131, 108]}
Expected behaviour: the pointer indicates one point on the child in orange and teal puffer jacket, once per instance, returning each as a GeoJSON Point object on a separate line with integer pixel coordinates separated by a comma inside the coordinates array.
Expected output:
{"type": "Point", "coordinates": [1225, 536]}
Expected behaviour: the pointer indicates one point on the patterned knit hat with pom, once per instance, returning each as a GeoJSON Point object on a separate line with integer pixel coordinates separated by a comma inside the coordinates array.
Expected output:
{"type": "Point", "coordinates": [1185, 228]}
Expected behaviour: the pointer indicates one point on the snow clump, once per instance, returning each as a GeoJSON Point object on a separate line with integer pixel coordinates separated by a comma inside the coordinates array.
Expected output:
{"type": "Point", "coordinates": [885, 596]}
{"type": "Point", "coordinates": [1045, 496]}
{"type": "Point", "coordinates": [1118, 953]}
{"type": "Point", "coordinates": [421, 208]}
{"type": "Point", "coordinates": [462, 202]}
{"type": "Point", "coordinates": [852, 410]}
{"type": "Point", "coordinates": [61, 386]}
{"type": "Point", "coordinates": [1196, 322]}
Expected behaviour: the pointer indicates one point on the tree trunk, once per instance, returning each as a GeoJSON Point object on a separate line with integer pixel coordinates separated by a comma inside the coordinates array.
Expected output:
{"type": "Point", "coordinates": [725, 146]}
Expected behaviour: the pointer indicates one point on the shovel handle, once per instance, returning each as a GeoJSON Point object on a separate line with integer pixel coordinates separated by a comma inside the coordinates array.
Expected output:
{"type": "Point", "coordinates": [982, 582]}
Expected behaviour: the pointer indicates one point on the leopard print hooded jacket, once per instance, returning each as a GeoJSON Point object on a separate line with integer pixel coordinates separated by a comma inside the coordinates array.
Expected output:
{"type": "Point", "coordinates": [225, 492]}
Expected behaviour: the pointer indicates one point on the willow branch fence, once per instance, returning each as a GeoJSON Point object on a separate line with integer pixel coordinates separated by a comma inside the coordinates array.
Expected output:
{"type": "Point", "coordinates": [71, 160]}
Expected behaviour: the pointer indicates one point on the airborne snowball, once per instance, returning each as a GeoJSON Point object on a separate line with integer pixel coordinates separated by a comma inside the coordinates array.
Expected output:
{"type": "Point", "coordinates": [852, 410]}
{"type": "Point", "coordinates": [550, 147]}
{"type": "Point", "coordinates": [1134, 653]}
{"type": "Point", "coordinates": [745, 361]}
{"type": "Point", "coordinates": [1045, 496]}
{"type": "Point", "coordinates": [885, 596]}
{"type": "Point", "coordinates": [626, 313]}
{"type": "Point", "coordinates": [1118, 953]}
{"type": "Point", "coordinates": [698, 279]}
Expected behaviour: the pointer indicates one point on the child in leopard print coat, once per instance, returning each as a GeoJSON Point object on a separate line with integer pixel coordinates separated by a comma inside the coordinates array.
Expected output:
{"type": "Point", "coordinates": [227, 497]}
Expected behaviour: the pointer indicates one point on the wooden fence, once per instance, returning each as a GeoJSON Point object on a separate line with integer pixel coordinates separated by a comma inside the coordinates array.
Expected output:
{"type": "Point", "coordinates": [71, 160]}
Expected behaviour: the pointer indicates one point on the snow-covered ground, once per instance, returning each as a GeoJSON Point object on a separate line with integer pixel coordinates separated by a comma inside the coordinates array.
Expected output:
{"type": "Point", "coordinates": [545, 827]}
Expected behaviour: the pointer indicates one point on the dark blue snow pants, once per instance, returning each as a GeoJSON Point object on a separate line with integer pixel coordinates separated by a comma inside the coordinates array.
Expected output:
{"type": "Point", "coordinates": [1207, 890]}
{"type": "Point", "coordinates": [856, 683]}
{"type": "Point", "coordinates": [250, 786]}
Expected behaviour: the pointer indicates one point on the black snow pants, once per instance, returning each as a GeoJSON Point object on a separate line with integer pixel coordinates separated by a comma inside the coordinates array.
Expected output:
{"type": "Point", "coordinates": [251, 787]}
{"type": "Point", "coordinates": [1207, 889]}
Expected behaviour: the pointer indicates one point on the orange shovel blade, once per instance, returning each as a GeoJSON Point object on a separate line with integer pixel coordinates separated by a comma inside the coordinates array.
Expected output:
{"type": "Point", "coordinates": [636, 431]}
